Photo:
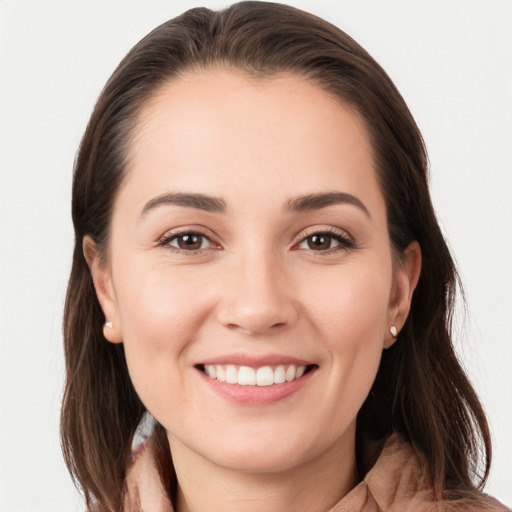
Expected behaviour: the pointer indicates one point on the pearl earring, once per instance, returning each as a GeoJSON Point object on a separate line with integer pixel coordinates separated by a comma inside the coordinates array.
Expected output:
{"type": "Point", "coordinates": [393, 331]}
{"type": "Point", "coordinates": [108, 325]}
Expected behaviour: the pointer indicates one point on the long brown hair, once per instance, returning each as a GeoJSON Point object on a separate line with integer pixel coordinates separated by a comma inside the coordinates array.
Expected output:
{"type": "Point", "coordinates": [421, 390]}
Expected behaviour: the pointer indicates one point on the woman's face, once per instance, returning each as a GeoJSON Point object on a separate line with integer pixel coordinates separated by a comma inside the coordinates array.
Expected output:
{"type": "Point", "coordinates": [249, 272]}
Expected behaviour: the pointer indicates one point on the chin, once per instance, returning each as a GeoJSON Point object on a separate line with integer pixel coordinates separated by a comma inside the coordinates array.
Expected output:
{"type": "Point", "coordinates": [263, 452]}
{"type": "Point", "coordinates": [259, 461]}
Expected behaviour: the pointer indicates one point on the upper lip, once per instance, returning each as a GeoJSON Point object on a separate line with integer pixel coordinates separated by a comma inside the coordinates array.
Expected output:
{"type": "Point", "coordinates": [256, 361]}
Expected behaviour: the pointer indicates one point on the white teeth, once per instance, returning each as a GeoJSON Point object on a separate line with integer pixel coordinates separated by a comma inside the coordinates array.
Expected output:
{"type": "Point", "coordinates": [231, 374]}
{"type": "Point", "coordinates": [290, 373]}
{"type": "Point", "coordinates": [221, 374]}
{"type": "Point", "coordinates": [279, 375]}
{"type": "Point", "coordinates": [211, 370]}
{"type": "Point", "coordinates": [300, 372]}
{"type": "Point", "coordinates": [247, 376]}
{"type": "Point", "coordinates": [264, 376]}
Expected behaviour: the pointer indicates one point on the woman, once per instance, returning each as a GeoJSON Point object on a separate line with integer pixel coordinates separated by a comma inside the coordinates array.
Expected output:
{"type": "Point", "coordinates": [258, 265]}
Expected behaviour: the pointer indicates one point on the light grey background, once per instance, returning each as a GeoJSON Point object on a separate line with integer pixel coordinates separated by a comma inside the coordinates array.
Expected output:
{"type": "Point", "coordinates": [452, 61]}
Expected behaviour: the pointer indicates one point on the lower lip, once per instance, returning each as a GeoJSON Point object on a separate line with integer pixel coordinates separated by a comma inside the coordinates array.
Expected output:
{"type": "Point", "coordinates": [257, 395]}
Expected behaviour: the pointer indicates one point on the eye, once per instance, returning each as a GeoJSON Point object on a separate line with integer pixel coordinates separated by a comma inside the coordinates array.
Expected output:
{"type": "Point", "coordinates": [325, 241]}
{"type": "Point", "coordinates": [190, 242]}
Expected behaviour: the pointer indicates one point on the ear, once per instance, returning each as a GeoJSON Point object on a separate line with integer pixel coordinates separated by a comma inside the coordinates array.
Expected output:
{"type": "Point", "coordinates": [405, 280]}
{"type": "Point", "coordinates": [102, 279]}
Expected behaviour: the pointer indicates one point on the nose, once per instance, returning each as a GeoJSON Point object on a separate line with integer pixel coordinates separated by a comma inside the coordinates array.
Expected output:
{"type": "Point", "coordinates": [257, 297]}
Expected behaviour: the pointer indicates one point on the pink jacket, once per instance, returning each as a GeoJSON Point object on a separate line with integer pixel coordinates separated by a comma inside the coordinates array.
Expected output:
{"type": "Point", "coordinates": [396, 483]}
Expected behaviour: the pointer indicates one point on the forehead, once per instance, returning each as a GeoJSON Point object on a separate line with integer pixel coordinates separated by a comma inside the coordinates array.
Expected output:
{"type": "Point", "coordinates": [220, 130]}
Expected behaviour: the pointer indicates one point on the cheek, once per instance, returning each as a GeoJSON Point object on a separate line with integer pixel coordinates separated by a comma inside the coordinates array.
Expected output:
{"type": "Point", "coordinates": [351, 320]}
{"type": "Point", "coordinates": [159, 316]}
{"type": "Point", "coordinates": [351, 306]}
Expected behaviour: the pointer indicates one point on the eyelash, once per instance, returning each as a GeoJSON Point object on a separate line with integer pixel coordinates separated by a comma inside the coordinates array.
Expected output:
{"type": "Point", "coordinates": [345, 242]}
{"type": "Point", "coordinates": [169, 237]}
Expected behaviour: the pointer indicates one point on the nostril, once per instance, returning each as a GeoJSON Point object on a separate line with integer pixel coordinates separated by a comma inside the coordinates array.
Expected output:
{"type": "Point", "coordinates": [255, 326]}
{"type": "Point", "coordinates": [252, 315]}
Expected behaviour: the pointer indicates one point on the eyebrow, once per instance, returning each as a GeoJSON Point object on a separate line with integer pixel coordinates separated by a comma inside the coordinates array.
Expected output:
{"type": "Point", "coordinates": [217, 205]}
{"type": "Point", "coordinates": [199, 201]}
{"type": "Point", "coordinates": [322, 200]}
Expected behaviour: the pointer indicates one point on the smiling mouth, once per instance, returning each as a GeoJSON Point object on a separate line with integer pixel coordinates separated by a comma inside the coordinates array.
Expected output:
{"type": "Point", "coordinates": [261, 376]}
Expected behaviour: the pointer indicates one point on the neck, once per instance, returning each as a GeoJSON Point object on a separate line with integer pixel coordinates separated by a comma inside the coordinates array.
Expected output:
{"type": "Point", "coordinates": [314, 486]}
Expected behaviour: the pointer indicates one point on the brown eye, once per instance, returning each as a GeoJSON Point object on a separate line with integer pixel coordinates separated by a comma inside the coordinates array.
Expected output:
{"type": "Point", "coordinates": [189, 242]}
{"type": "Point", "coordinates": [320, 242]}
{"type": "Point", "coordinates": [325, 242]}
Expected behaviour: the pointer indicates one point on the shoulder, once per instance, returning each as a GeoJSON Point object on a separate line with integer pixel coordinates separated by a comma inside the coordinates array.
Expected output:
{"type": "Point", "coordinates": [398, 482]}
{"type": "Point", "coordinates": [474, 502]}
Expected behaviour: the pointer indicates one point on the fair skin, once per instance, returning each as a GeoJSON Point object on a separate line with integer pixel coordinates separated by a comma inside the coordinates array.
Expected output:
{"type": "Point", "coordinates": [255, 275]}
